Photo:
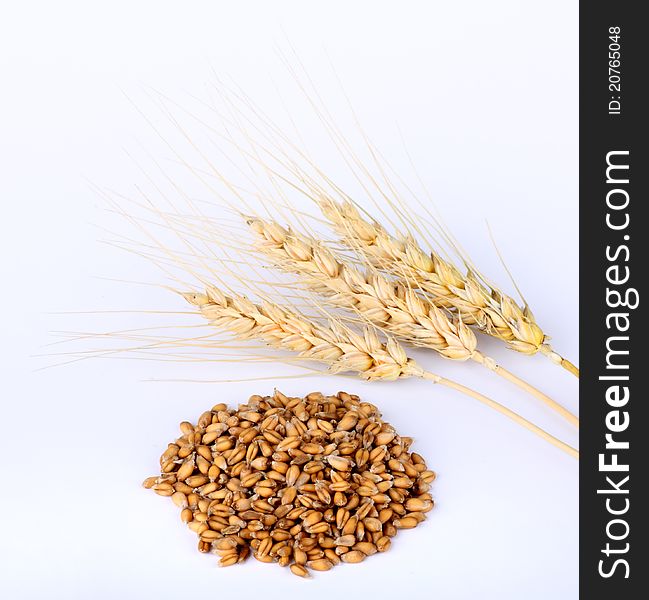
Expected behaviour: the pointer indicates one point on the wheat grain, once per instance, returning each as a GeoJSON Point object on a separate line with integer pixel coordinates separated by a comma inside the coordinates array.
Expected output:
{"type": "Point", "coordinates": [489, 309]}
{"type": "Point", "coordinates": [295, 525]}
{"type": "Point", "coordinates": [340, 348]}
{"type": "Point", "coordinates": [397, 309]}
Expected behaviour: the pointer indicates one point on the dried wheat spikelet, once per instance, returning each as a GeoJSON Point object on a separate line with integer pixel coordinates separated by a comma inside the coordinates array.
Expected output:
{"type": "Point", "coordinates": [339, 347]}
{"type": "Point", "coordinates": [491, 311]}
{"type": "Point", "coordinates": [397, 309]}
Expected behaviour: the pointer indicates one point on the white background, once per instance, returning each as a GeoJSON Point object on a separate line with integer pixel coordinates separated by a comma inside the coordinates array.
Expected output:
{"type": "Point", "coordinates": [485, 96]}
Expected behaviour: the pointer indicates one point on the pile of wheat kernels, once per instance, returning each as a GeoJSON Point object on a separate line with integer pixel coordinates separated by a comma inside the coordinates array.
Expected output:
{"type": "Point", "coordinates": [305, 482]}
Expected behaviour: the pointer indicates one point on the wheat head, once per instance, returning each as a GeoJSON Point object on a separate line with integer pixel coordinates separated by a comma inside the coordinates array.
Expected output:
{"type": "Point", "coordinates": [489, 309]}
{"type": "Point", "coordinates": [341, 348]}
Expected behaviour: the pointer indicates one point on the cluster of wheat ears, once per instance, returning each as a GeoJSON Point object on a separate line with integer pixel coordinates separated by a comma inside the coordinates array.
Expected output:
{"type": "Point", "coordinates": [396, 293]}
{"type": "Point", "coordinates": [372, 288]}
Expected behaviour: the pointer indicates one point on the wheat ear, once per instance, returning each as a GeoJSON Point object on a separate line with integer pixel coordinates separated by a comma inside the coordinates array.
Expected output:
{"type": "Point", "coordinates": [340, 348]}
{"type": "Point", "coordinates": [397, 309]}
{"type": "Point", "coordinates": [491, 311]}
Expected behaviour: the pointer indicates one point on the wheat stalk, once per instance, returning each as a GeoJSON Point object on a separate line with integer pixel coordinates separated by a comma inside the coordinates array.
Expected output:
{"type": "Point", "coordinates": [486, 307]}
{"type": "Point", "coordinates": [339, 347]}
{"type": "Point", "coordinates": [397, 309]}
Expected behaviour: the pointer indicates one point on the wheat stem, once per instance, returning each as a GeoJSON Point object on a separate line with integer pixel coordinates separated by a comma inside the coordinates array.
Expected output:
{"type": "Point", "coordinates": [524, 385]}
{"type": "Point", "coordinates": [505, 411]}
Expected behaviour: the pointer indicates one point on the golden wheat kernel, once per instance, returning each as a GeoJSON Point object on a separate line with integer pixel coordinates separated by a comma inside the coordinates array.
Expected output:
{"type": "Point", "coordinates": [421, 488]}
{"type": "Point", "coordinates": [250, 514]}
{"type": "Point", "coordinates": [195, 526]}
{"type": "Point", "coordinates": [236, 456]}
{"type": "Point", "coordinates": [307, 544]}
{"type": "Point", "coordinates": [163, 489]}
{"type": "Point", "coordinates": [229, 560]}
{"type": "Point", "coordinates": [186, 469]}
{"type": "Point", "coordinates": [217, 523]}
{"type": "Point", "coordinates": [203, 465]}
{"type": "Point", "coordinates": [384, 486]}
{"type": "Point", "coordinates": [418, 516]}
{"type": "Point", "coordinates": [196, 481]}
{"type": "Point", "coordinates": [372, 524]}
{"type": "Point", "coordinates": [427, 476]}
{"type": "Point", "coordinates": [331, 556]}
{"type": "Point", "coordinates": [246, 435]}
{"type": "Point", "coordinates": [360, 531]}
{"type": "Point", "coordinates": [321, 564]}
{"type": "Point", "coordinates": [311, 517]}
{"type": "Point", "coordinates": [264, 546]}
{"type": "Point", "coordinates": [181, 486]}
{"type": "Point", "coordinates": [170, 453]}
{"type": "Point", "coordinates": [149, 482]}
{"type": "Point", "coordinates": [201, 517]}
{"type": "Point", "coordinates": [201, 527]}
{"type": "Point", "coordinates": [186, 428]}
{"type": "Point", "coordinates": [364, 510]}
{"type": "Point", "coordinates": [225, 544]}
{"type": "Point", "coordinates": [418, 505]}
{"type": "Point", "coordinates": [260, 463]}
{"type": "Point", "coordinates": [380, 500]}
{"type": "Point", "coordinates": [384, 438]}
{"type": "Point", "coordinates": [321, 527]}
{"type": "Point", "coordinates": [192, 500]}
{"type": "Point", "coordinates": [367, 548]}
{"type": "Point", "coordinates": [209, 437]}
{"type": "Point", "coordinates": [385, 514]}
{"type": "Point", "coordinates": [280, 548]}
{"type": "Point", "coordinates": [299, 570]}
{"type": "Point", "coordinates": [264, 492]}
{"type": "Point", "coordinates": [299, 555]}
{"type": "Point", "coordinates": [346, 540]}
{"type": "Point", "coordinates": [342, 515]}
{"type": "Point", "coordinates": [383, 544]}
{"type": "Point", "coordinates": [339, 463]}
{"type": "Point", "coordinates": [350, 526]}
{"type": "Point", "coordinates": [235, 520]}
{"type": "Point", "coordinates": [216, 427]}
{"type": "Point", "coordinates": [230, 530]}
{"type": "Point", "coordinates": [179, 499]}
{"type": "Point", "coordinates": [223, 443]}
{"type": "Point", "coordinates": [405, 523]}
{"type": "Point", "coordinates": [354, 556]}
{"type": "Point", "coordinates": [365, 490]}
{"type": "Point", "coordinates": [348, 422]}
{"type": "Point", "coordinates": [227, 553]}
{"type": "Point", "coordinates": [210, 535]}
{"type": "Point", "coordinates": [265, 559]}
{"type": "Point", "coordinates": [272, 436]}
{"type": "Point", "coordinates": [291, 474]}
